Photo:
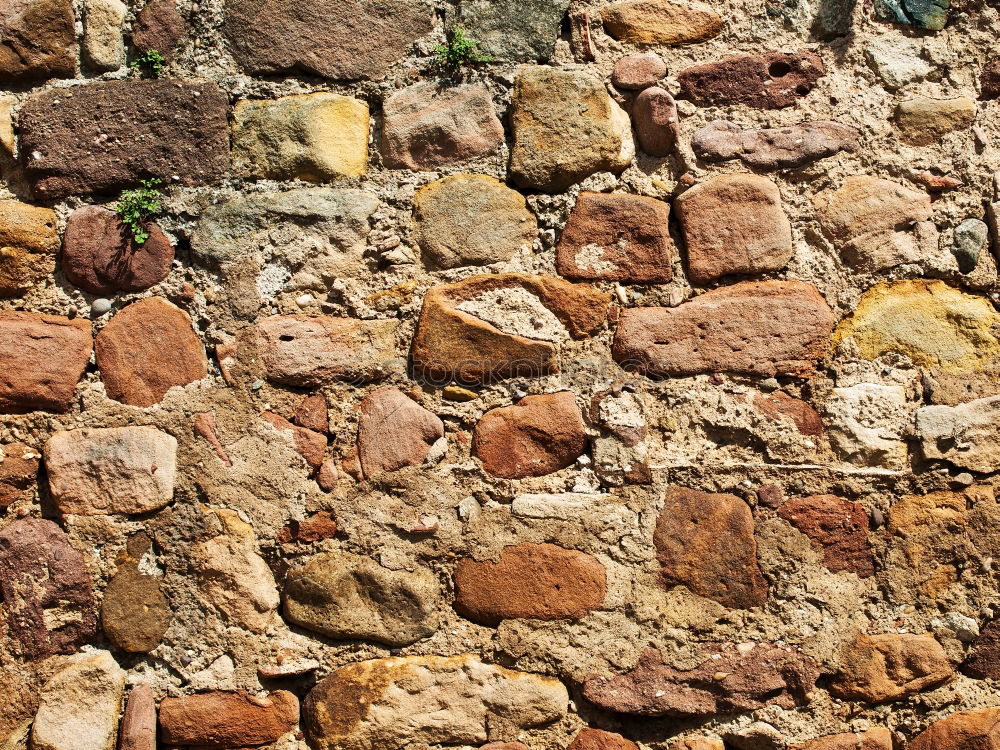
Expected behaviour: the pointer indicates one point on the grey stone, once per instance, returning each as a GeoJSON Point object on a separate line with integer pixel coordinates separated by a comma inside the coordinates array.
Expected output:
{"type": "Point", "coordinates": [897, 61]}
{"type": "Point", "coordinates": [348, 596]}
{"type": "Point", "coordinates": [967, 435]}
{"type": "Point", "coordinates": [970, 239]}
{"type": "Point", "coordinates": [774, 148]}
{"type": "Point", "coordinates": [833, 19]}
{"type": "Point", "coordinates": [524, 31]}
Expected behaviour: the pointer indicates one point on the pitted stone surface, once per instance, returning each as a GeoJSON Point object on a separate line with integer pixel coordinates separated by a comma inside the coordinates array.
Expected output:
{"type": "Point", "coordinates": [770, 80]}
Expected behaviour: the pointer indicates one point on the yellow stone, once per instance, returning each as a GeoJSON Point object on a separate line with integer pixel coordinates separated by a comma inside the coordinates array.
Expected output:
{"type": "Point", "coordinates": [660, 22]}
{"type": "Point", "coordinates": [923, 121]}
{"type": "Point", "coordinates": [935, 325]}
{"type": "Point", "coordinates": [28, 243]}
{"type": "Point", "coordinates": [315, 137]}
{"type": "Point", "coordinates": [7, 142]}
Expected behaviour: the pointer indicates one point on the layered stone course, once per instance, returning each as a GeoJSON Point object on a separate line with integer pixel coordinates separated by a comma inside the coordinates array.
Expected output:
{"type": "Point", "coordinates": [536, 375]}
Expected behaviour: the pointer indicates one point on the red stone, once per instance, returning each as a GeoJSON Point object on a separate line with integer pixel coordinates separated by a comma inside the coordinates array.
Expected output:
{"type": "Point", "coordinates": [836, 526]}
{"type": "Point", "coordinates": [159, 26]}
{"type": "Point", "coordinates": [530, 581]}
{"type": "Point", "coordinates": [100, 256]}
{"type": "Point", "coordinates": [536, 436]}
{"type": "Point", "coordinates": [204, 427]}
{"type": "Point", "coordinates": [639, 71]}
{"type": "Point", "coordinates": [394, 432]}
{"type": "Point", "coordinates": [654, 114]}
{"type": "Point", "coordinates": [18, 473]}
{"type": "Point", "coordinates": [596, 739]}
{"type": "Point", "coordinates": [138, 728]}
{"type": "Point", "coordinates": [777, 405]}
{"type": "Point", "coordinates": [44, 358]}
{"type": "Point", "coordinates": [312, 414]}
{"type": "Point", "coordinates": [147, 349]}
{"type": "Point", "coordinates": [308, 444]}
{"type": "Point", "coordinates": [965, 730]}
{"type": "Point", "coordinates": [770, 80]}
{"type": "Point", "coordinates": [317, 527]}
{"type": "Point", "coordinates": [983, 659]}
{"type": "Point", "coordinates": [38, 40]}
{"type": "Point", "coordinates": [227, 719]}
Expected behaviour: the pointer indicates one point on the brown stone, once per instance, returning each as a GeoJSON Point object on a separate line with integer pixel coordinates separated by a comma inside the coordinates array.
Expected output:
{"type": "Point", "coordinates": [46, 355]}
{"type": "Point", "coordinates": [100, 256]}
{"type": "Point", "coordinates": [966, 730]}
{"type": "Point", "coordinates": [146, 349]}
{"type": "Point", "coordinates": [777, 405]}
{"type": "Point", "coordinates": [312, 414]}
{"type": "Point", "coordinates": [660, 21]}
{"type": "Point", "coordinates": [742, 678]}
{"type": "Point", "coordinates": [28, 244]}
{"type": "Point", "coordinates": [733, 224]}
{"type": "Point", "coordinates": [990, 80]}
{"type": "Point", "coordinates": [698, 743]}
{"type": "Point", "coordinates": [530, 581]}
{"type": "Point", "coordinates": [18, 473]}
{"type": "Point", "coordinates": [428, 126]}
{"type": "Point", "coordinates": [536, 436]}
{"type": "Point", "coordinates": [766, 328]}
{"type": "Point", "coordinates": [770, 80]}
{"type": "Point", "coordinates": [983, 659]}
{"type": "Point", "coordinates": [308, 444]}
{"type": "Point", "coordinates": [38, 40]}
{"type": "Point", "coordinates": [138, 727]}
{"type": "Point", "coordinates": [306, 351]}
{"type": "Point", "coordinates": [873, 739]}
{"type": "Point", "coordinates": [227, 719]}
{"type": "Point", "coordinates": [639, 71]}
{"type": "Point", "coordinates": [104, 136]}
{"type": "Point", "coordinates": [654, 113]}
{"type": "Point", "coordinates": [505, 746]}
{"type": "Point", "coordinates": [596, 739]}
{"type": "Point", "coordinates": [394, 432]}
{"type": "Point", "coordinates": [837, 527]}
{"type": "Point", "coordinates": [134, 612]}
{"type": "Point", "coordinates": [47, 594]}
{"type": "Point", "coordinates": [317, 527]}
{"type": "Point", "coordinates": [617, 237]}
{"type": "Point", "coordinates": [346, 40]}
{"type": "Point", "coordinates": [451, 343]}
{"type": "Point", "coordinates": [890, 666]}
{"type": "Point", "coordinates": [688, 544]}
{"type": "Point", "coordinates": [159, 26]}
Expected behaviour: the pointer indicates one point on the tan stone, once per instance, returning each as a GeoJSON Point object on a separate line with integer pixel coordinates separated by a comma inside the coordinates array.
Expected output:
{"type": "Point", "coordinates": [103, 46]}
{"type": "Point", "coordinates": [138, 728]}
{"type": "Point", "coordinates": [661, 21]}
{"type": "Point", "coordinates": [967, 435]}
{"type": "Point", "coordinates": [923, 121]}
{"type": "Point", "coordinates": [889, 667]}
{"type": "Point", "coordinates": [566, 127]}
{"type": "Point", "coordinates": [966, 730]}
{"type": "Point", "coordinates": [933, 324]}
{"type": "Point", "coordinates": [28, 245]}
{"type": "Point", "coordinates": [315, 137]}
{"type": "Point", "coordinates": [236, 581]}
{"type": "Point", "coordinates": [733, 224]}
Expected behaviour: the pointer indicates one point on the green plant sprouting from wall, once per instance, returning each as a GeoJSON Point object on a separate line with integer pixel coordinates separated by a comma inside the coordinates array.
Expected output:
{"type": "Point", "coordinates": [136, 207]}
{"type": "Point", "coordinates": [458, 51]}
{"type": "Point", "coordinates": [150, 62]}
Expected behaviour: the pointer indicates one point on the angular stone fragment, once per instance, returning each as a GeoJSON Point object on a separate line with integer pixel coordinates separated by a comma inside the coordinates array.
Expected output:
{"type": "Point", "coordinates": [933, 324]}
{"type": "Point", "coordinates": [38, 41]}
{"type": "Point", "coordinates": [103, 46]}
{"type": "Point", "coordinates": [134, 612]}
{"type": "Point", "coordinates": [28, 243]}
{"type": "Point", "coordinates": [961, 731]}
{"type": "Point", "coordinates": [312, 414]}
{"type": "Point", "coordinates": [146, 349]}
{"type": "Point", "coordinates": [889, 667]}
{"type": "Point", "coordinates": [989, 81]}
{"type": "Point", "coordinates": [877, 223]}
{"type": "Point", "coordinates": [733, 224]}
{"type": "Point", "coordinates": [873, 739]}
{"type": "Point", "coordinates": [346, 596]}
{"type": "Point", "coordinates": [897, 61]}
{"type": "Point", "coordinates": [471, 220]}
{"type": "Point", "coordinates": [80, 705]}
{"type": "Point", "coordinates": [741, 678]}
{"type": "Point", "coordinates": [923, 121]}
{"type": "Point", "coordinates": [789, 147]}
{"type": "Point", "coordinates": [970, 239]}
{"type": "Point", "coordinates": [687, 540]}
{"type": "Point", "coordinates": [222, 719]}
{"type": "Point", "coordinates": [770, 80]}
{"type": "Point", "coordinates": [837, 527]}
{"type": "Point", "coordinates": [236, 581]}
{"type": "Point", "coordinates": [305, 351]}
{"type": "Point", "coordinates": [159, 26]}
{"type": "Point", "coordinates": [103, 136]}
{"type": "Point", "coordinates": [394, 432]}
{"type": "Point", "coordinates": [778, 405]}
{"type": "Point", "coordinates": [763, 328]}
{"type": "Point", "coordinates": [138, 728]}
{"type": "Point", "coordinates": [308, 444]}
{"type": "Point", "coordinates": [100, 256]}
{"type": "Point", "coordinates": [46, 590]}
{"type": "Point", "coordinates": [427, 126]}
{"type": "Point", "coordinates": [566, 127]}
{"type": "Point", "coordinates": [524, 31]}
{"type": "Point", "coordinates": [346, 40]}
{"type": "Point", "coordinates": [398, 701]}
{"type": "Point", "coordinates": [46, 355]}
{"type": "Point", "coordinates": [317, 527]}
{"type": "Point", "coordinates": [925, 14]}
{"type": "Point", "coordinates": [983, 660]}
{"type": "Point", "coordinates": [967, 435]}
{"type": "Point", "coordinates": [530, 581]}
{"type": "Point", "coordinates": [315, 137]}
{"type": "Point", "coordinates": [868, 424]}
{"type": "Point", "coordinates": [597, 739]}
{"type": "Point", "coordinates": [111, 470]}
{"type": "Point", "coordinates": [617, 237]}
{"type": "Point", "coordinates": [660, 21]}
{"type": "Point", "coordinates": [18, 473]}
{"type": "Point", "coordinates": [536, 436]}
{"type": "Point", "coordinates": [639, 71]}
{"type": "Point", "coordinates": [504, 325]}
{"type": "Point", "coordinates": [656, 123]}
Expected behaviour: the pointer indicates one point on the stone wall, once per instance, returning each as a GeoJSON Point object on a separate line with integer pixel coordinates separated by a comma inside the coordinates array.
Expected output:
{"type": "Point", "coordinates": [636, 387]}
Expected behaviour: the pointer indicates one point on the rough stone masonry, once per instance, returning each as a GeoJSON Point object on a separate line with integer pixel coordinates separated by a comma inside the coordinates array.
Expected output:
{"type": "Point", "coordinates": [632, 384]}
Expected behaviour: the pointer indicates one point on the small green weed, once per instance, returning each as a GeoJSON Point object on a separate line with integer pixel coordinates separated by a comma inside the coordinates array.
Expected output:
{"type": "Point", "coordinates": [150, 62]}
{"type": "Point", "coordinates": [458, 52]}
{"type": "Point", "coordinates": [137, 206]}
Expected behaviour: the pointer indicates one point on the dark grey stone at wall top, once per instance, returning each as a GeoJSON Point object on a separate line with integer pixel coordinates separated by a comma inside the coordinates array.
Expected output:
{"type": "Point", "coordinates": [526, 30]}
